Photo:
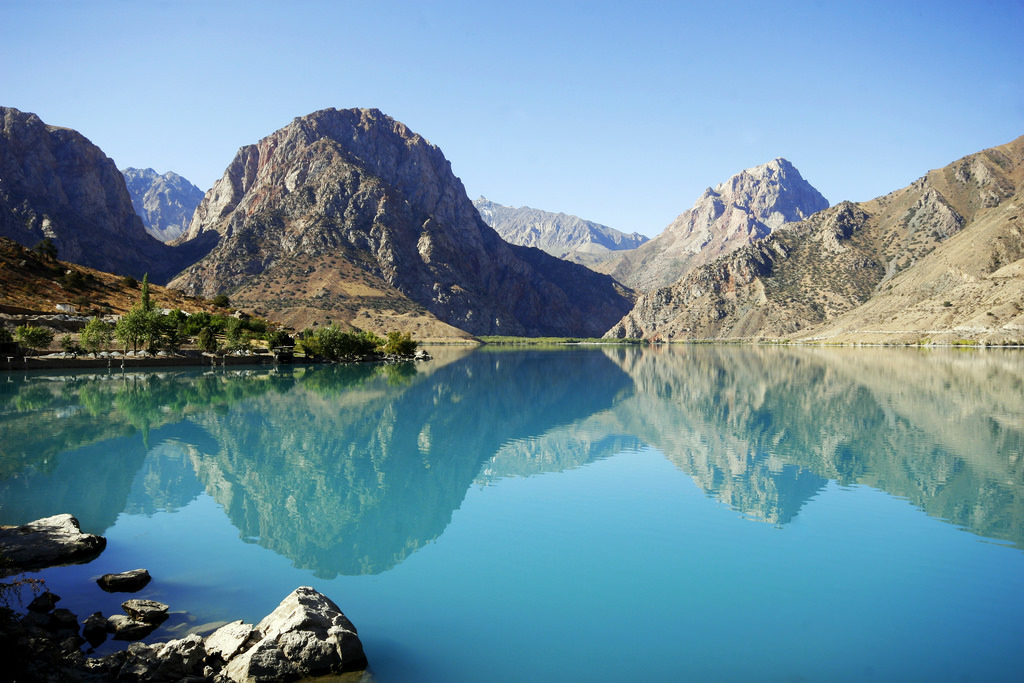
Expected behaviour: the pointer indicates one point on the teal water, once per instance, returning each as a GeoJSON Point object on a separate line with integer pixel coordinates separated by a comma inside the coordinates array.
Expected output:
{"type": "Point", "coordinates": [703, 513]}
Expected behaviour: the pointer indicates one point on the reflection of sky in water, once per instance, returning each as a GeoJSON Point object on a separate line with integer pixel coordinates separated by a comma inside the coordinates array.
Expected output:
{"type": "Point", "coordinates": [573, 505]}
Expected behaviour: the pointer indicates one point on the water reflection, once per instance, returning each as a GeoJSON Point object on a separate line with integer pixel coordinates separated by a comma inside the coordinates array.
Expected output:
{"type": "Point", "coordinates": [349, 469]}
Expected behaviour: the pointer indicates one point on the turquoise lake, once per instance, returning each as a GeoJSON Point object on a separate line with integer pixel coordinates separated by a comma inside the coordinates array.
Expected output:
{"type": "Point", "coordinates": [589, 514]}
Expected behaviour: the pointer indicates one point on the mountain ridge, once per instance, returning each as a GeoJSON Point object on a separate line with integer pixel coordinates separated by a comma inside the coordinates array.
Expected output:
{"type": "Point", "coordinates": [560, 234]}
{"type": "Point", "coordinates": [164, 201]}
{"type": "Point", "coordinates": [746, 207]}
{"type": "Point", "coordinates": [357, 187]}
{"type": "Point", "coordinates": [937, 260]}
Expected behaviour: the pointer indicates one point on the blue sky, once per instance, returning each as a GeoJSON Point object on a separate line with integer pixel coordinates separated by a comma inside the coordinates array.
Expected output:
{"type": "Point", "coordinates": [618, 112]}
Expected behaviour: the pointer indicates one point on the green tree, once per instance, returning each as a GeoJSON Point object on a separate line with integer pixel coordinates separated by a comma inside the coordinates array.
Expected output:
{"type": "Point", "coordinates": [47, 249]}
{"type": "Point", "coordinates": [32, 337]}
{"type": "Point", "coordinates": [137, 327]}
{"type": "Point", "coordinates": [400, 344]}
{"type": "Point", "coordinates": [96, 335]}
{"type": "Point", "coordinates": [67, 344]}
{"type": "Point", "coordinates": [144, 301]}
{"type": "Point", "coordinates": [207, 340]}
{"type": "Point", "coordinates": [221, 301]}
{"type": "Point", "coordinates": [278, 338]}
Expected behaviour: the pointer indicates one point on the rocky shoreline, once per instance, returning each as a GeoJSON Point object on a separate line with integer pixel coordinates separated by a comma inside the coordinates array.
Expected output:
{"type": "Point", "coordinates": [307, 635]}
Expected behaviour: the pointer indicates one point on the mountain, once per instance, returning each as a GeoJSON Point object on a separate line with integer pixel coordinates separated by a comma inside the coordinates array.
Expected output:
{"type": "Point", "coordinates": [939, 260]}
{"type": "Point", "coordinates": [55, 183]}
{"type": "Point", "coordinates": [348, 215]}
{"type": "Point", "coordinates": [559, 234]}
{"type": "Point", "coordinates": [165, 202]}
{"type": "Point", "coordinates": [747, 207]}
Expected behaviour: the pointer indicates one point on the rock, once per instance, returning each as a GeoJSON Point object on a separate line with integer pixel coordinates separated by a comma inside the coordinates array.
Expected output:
{"type": "Point", "coordinates": [94, 628]}
{"type": "Point", "coordinates": [47, 542]}
{"type": "Point", "coordinates": [422, 354]}
{"type": "Point", "coordinates": [149, 611]}
{"type": "Point", "coordinates": [229, 640]}
{"type": "Point", "coordinates": [125, 628]}
{"type": "Point", "coordinates": [125, 582]}
{"type": "Point", "coordinates": [44, 602]}
{"type": "Point", "coordinates": [306, 635]}
{"type": "Point", "coordinates": [176, 660]}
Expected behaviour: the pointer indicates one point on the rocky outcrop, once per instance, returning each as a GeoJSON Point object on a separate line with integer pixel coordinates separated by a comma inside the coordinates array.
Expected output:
{"type": "Point", "coordinates": [164, 201]}
{"type": "Point", "coordinates": [47, 542]}
{"type": "Point", "coordinates": [306, 635]}
{"type": "Point", "coordinates": [938, 260]}
{"type": "Point", "coordinates": [559, 234]}
{"type": "Point", "coordinates": [344, 213]}
{"type": "Point", "coordinates": [56, 184]}
{"type": "Point", "coordinates": [747, 207]}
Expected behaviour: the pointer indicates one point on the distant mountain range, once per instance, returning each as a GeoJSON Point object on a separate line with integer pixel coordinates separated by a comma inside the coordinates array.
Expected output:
{"type": "Point", "coordinates": [568, 237]}
{"type": "Point", "coordinates": [347, 216]}
{"type": "Point", "coordinates": [164, 201]}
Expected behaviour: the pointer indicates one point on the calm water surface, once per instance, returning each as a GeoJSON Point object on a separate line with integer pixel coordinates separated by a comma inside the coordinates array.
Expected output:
{"type": "Point", "coordinates": [710, 513]}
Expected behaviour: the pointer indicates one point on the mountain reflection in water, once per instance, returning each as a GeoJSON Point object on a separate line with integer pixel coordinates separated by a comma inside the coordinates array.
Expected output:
{"type": "Point", "coordinates": [349, 469]}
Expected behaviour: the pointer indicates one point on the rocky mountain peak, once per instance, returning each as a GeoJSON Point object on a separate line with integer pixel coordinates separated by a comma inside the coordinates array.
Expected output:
{"type": "Point", "coordinates": [747, 207]}
{"type": "Point", "coordinates": [354, 194]}
{"type": "Point", "coordinates": [164, 201]}
{"type": "Point", "coordinates": [56, 184]}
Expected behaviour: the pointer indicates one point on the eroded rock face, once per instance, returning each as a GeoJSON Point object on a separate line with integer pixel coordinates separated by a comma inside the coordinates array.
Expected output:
{"type": "Point", "coordinates": [47, 542]}
{"type": "Point", "coordinates": [355, 196]}
{"type": "Point", "coordinates": [746, 208]}
{"type": "Point", "coordinates": [55, 183]}
{"type": "Point", "coordinates": [164, 201]}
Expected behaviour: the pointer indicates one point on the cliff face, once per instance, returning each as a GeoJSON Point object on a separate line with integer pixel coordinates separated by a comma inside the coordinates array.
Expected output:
{"type": "Point", "coordinates": [348, 214]}
{"type": "Point", "coordinates": [165, 202]}
{"type": "Point", "coordinates": [747, 207]}
{"type": "Point", "coordinates": [939, 259]}
{"type": "Point", "coordinates": [55, 183]}
{"type": "Point", "coordinates": [559, 234]}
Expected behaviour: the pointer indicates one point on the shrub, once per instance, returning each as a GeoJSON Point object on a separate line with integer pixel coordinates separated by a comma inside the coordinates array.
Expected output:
{"type": "Point", "coordinates": [400, 344]}
{"type": "Point", "coordinates": [221, 301]}
{"type": "Point", "coordinates": [47, 249]}
{"type": "Point", "coordinates": [332, 343]}
{"type": "Point", "coordinates": [32, 337]}
{"type": "Point", "coordinates": [73, 279]}
{"type": "Point", "coordinates": [278, 338]}
{"type": "Point", "coordinates": [129, 282]}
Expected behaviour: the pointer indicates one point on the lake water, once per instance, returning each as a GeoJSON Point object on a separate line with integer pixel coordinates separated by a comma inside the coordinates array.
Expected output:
{"type": "Point", "coordinates": [594, 514]}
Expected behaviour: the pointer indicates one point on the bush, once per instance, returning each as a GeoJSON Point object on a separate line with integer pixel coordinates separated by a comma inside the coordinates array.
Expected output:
{"type": "Point", "coordinates": [221, 301]}
{"type": "Point", "coordinates": [400, 344]}
{"type": "Point", "coordinates": [278, 338]}
{"type": "Point", "coordinates": [32, 337]}
{"type": "Point", "coordinates": [333, 343]}
{"type": "Point", "coordinates": [47, 249]}
{"type": "Point", "coordinates": [129, 282]}
{"type": "Point", "coordinates": [73, 279]}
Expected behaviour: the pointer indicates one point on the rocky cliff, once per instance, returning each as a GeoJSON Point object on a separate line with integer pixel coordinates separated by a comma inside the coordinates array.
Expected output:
{"type": "Point", "coordinates": [164, 201]}
{"type": "Point", "coordinates": [939, 259]}
{"type": "Point", "coordinates": [747, 207]}
{"type": "Point", "coordinates": [349, 215]}
{"type": "Point", "coordinates": [55, 183]}
{"type": "Point", "coordinates": [559, 234]}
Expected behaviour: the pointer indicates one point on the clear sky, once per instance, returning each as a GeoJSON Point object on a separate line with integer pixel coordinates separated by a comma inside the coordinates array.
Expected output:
{"type": "Point", "coordinates": [619, 112]}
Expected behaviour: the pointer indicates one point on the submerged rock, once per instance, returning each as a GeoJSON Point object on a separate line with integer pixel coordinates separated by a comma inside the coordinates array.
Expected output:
{"type": "Point", "coordinates": [44, 602]}
{"type": "Point", "coordinates": [124, 582]}
{"type": "Point", "coordinates": [94, 628]}
{"type": "Point", "coordinates": [47, 542]}
{"type": "Point", "coordinates": [125, 628]}
{"type": "Point", "coordinates": [149, 611]}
